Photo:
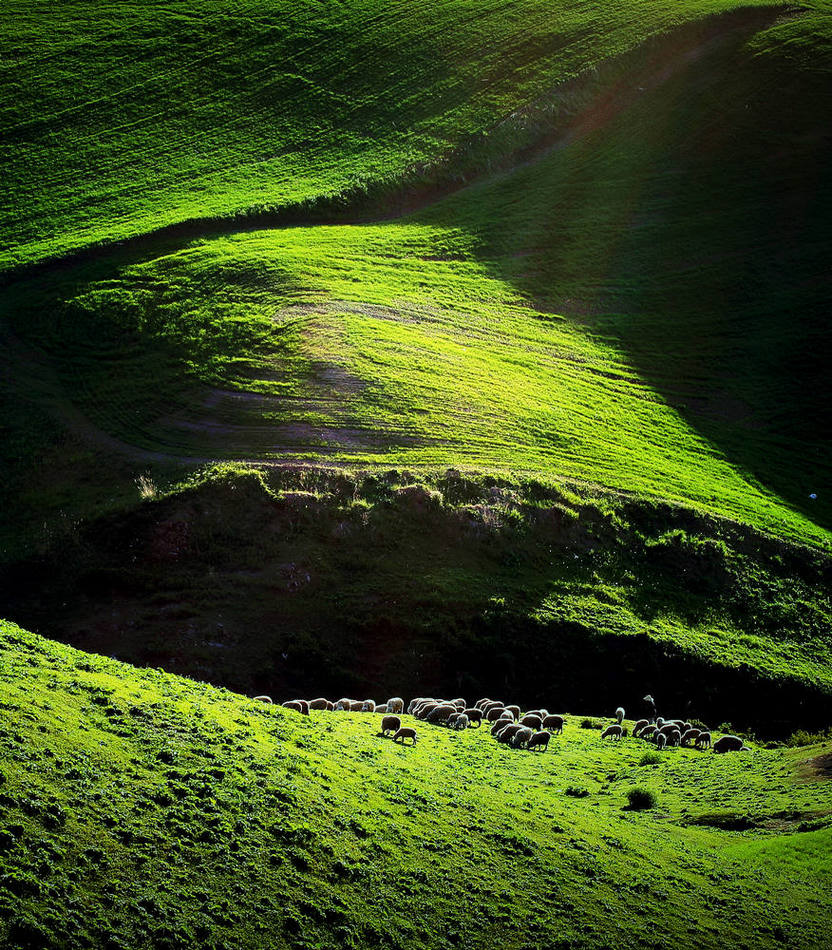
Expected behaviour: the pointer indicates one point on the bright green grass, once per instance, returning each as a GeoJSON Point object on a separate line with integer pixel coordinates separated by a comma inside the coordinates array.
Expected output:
{"type": "Point", "coordinates": [140, 809]}
{"type": "Point", "coordinates": [691, 363]}
{"type": "Point", "coordinates": [117, 119]}
{"type": "Point", "coordinates": [387, 345]}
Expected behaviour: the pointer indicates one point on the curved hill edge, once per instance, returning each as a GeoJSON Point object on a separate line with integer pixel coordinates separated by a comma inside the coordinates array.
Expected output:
{"type": "Point", "coordinates": [566, 113]}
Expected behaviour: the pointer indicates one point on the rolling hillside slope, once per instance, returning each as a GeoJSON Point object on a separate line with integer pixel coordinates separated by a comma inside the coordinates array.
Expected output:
{"type": "Point", "coordinates": [119, 118]}
{"type": "Point", "coordinates": [144, 810]}
{"type": "Point", "coordinates": [625, 301]}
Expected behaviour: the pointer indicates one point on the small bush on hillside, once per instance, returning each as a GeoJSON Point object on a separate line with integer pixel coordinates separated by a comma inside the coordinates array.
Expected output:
{"type": "Point", "coordinates": [804, 737]}
{"type": "Point", "coordinates": [650, 758]}
{"type": "Point", "coordinates": [640, 798]}
{"type": "Point", "coordinates": [591, 724]}
{"type": "Point", "coordinates": [576, 791]}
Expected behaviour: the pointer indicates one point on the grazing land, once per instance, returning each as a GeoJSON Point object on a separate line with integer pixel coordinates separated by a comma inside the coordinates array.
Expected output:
{"type": "Point", "coordinates": [426, 347]}
{"type": "Point", "coordinates": [141, 809]}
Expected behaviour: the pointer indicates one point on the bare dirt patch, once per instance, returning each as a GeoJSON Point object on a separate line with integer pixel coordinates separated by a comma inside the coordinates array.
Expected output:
{"type": "Point", "coordinates": [820, 767]}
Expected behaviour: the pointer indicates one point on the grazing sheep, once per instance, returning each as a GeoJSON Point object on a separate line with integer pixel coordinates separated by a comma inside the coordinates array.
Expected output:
{"type": "Point", "coordinates": [356, 705]}
{"type": "Point", "coordinates": [450, 722]}
{"type": "Point", "coordinates": [648, 733]}
{"type": "Point", "coordinates": [498, 726]}
{"type": "Point", "coordinates": [460, 722]}
{"type": "Point", "coordinates": [508, 732]}
{"type": "Point", "coordinates": [390, 724]}
{"type": "Point", "coordinates": [297, 705]}
{"type": "Point", "coordinates": [520, 739]}
{"type": "Point", "coordinates": [532, 720]}
{"type": "Point", "coordinates": [508, 713]}
{"type": "Point", "coordinates": [541, 713]}
{"type": "Point", "coordinates": [395, 705]}
{"type": "Point", "coordinates": [263, 699]}
{"type": "Point", "coordinates": [482, 703]}
{"type": "Point", "coordinates": [320, 703]}
{"type": "Point", "coordinates": [690, 736]}
{"type": "Point", "coordinates": [343, 705]}
{"type": "Point", "coordinates": [414, 703]}
{"type": "Point", "coordinates": [368, 706]}
{"type": "Point", "coordinates": [494, 713]}
{"type": "Point", "coordinates": [423, 710]}
{"type": "Point", "coordinates": [440, 714]}
{"type": "Point", "coordinates": [660, 722]}
{"type": "Point", "coordinates": [382, 708]}
{"type": "Point", "coordinates": [730, 744]}
{"type": "Point", "coordinates": [474, 717]}
{"type": "Point", "coordinates": [619, 714]}
{"type": "Point", "coordinates": [553, 723]}
{"type": "Point", "coordinates": [641, 724]}
{"type": "Point", "coordinates": [703, 740]}
{"type": "Point", "coordinates": [674, 737]}
{"type": "Point", "coordinates": [612, 732]}
{"type": "Point", "coordinates": [459, 702]}
{"type": "Point", "coordinates": [661, 740]}
{"type": "Point", "coordinates": [405, 733]}
{"type": "Point", "coordinates": [515, 710]}
{"type": "Point", "coordinates": [540, 740]}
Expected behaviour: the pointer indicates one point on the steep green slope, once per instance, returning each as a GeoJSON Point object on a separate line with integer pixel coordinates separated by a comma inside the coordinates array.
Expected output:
{"type": "Point", "coordinates": [297, 581]}
{"type": "Point", "coordinates": [120, 118]}
{"type": "Point", "coordinates": [143, 810]}
{"type": "Point", "coordinates": [690, 365]}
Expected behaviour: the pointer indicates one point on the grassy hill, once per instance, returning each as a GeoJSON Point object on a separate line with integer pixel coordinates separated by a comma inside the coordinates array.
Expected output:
{"type": "Point", "coordinates": [302, 581]}
{"type": "Point", "coordinates": [639, 302]}
{"type": "Point", "coordinates": [121, 118]}
{"type": "Point", "coordinates": [140, 809]}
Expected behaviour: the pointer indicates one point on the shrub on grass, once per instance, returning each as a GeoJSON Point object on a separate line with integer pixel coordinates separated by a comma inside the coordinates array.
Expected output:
{"type": "Point", "coordinates": [640, 798]}
{"type": "Point", "coordinates": [804, 737]}
{"type": "Point", "coordinates": [650, 758]}
{"type": "Point", "coordinates": [576, 791]}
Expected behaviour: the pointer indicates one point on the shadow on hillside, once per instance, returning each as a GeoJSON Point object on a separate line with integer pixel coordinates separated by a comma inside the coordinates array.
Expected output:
{"type": "Point", "coordinates": [691, 229]}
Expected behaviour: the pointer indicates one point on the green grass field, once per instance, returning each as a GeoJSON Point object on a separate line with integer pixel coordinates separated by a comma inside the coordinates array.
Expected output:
{"type": "Point", "coordinates": [440, 347]}
{"type": "Point", "coordinates": [119, 119]}
{"type": "Point", "coordinates": [623, 309]}
{"type": "Point", "coordinates": [140, 809]}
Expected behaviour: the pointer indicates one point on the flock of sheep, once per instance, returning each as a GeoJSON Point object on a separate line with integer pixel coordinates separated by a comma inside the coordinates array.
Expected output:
{"type": "Point", "coordinates": [509, 725]}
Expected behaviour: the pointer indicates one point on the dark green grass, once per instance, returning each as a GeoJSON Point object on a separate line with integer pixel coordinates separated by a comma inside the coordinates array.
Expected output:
{"type": "Point", "coordinates": [142, 810]}
{"type": "Point", "coordinates": [117, 119]}
{"type": "Point", "coordinates": [310, 579]}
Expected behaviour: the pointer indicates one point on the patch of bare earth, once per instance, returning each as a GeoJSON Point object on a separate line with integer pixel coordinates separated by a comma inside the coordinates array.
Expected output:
{"type": "Point", "coordinates": [818, 768]}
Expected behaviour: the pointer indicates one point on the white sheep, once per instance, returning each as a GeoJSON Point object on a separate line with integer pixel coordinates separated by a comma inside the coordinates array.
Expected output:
{"type": "Point", "coordinates": [540, 740]}
{"type": "Point", "coordinates": [612, 732]}
{"type": "Point", "coordinates": [390, 724]}
{"type": "Point", "coordinates": [405, 733]}
{"type": "Point", "coordinates": [553, 723]}
{"type": "Point", "coordinates": [520, 739]}
{"type": "Point", "coordinates": [730, 744]}
{"type": "Point", "coordinates": [395, 705]}
{"type": "Point", "coordinates": [619, 715]}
